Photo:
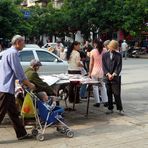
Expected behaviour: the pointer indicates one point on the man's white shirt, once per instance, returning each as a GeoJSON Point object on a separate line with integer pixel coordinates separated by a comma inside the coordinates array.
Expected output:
{"type": "Point", "coordinates": [124, 46]}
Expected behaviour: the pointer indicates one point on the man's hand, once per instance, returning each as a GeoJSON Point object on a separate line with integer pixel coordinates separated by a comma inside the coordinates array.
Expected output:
{"type": "Point", "coordinates": [31, 86]}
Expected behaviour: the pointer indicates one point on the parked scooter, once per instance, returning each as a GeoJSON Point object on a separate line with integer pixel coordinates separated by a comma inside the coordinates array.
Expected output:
{"type": "Point", "coordinates": [133, 53]}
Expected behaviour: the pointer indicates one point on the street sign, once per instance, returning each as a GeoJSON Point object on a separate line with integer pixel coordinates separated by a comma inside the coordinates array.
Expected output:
{"type": "Point", "coordinates": [27, 14]}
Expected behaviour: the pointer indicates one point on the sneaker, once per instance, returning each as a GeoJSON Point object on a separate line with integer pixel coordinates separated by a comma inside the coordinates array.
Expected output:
{"type": "Point", "coordinates": [27, 136]}
{"type": "Point", "coordinates": [109, 112]}
{"type": "Point", "coordinates": [97, 105]}
{"type": "Point", "coordinates": [121, 112]}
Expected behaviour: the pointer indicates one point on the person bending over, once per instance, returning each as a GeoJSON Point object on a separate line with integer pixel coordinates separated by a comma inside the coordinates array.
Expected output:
{"type": "Point", "coordinates": [33, 76]}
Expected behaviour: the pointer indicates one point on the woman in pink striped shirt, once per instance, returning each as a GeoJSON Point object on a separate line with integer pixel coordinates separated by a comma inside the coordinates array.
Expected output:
{"type": "Point", "coordinates": [96, 72]}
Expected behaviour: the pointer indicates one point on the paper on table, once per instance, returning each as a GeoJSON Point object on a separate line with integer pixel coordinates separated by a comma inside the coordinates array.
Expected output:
{"type": "Point", "coordinates": [62, 76]}
{"type": "Point", "coordinates": [50, 80]}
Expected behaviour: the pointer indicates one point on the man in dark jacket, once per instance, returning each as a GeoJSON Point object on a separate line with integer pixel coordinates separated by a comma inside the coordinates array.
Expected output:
{"type": "Point", "coordinates": [112, 65]}
{"type": "Point", "coordinates": [32, 75]}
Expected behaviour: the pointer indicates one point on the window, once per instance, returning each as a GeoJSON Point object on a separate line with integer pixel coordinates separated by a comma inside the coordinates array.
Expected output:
{"type": "Point", "coordinates": [45, 56]}
{"type": "Point", "coordinates": [26, 56]}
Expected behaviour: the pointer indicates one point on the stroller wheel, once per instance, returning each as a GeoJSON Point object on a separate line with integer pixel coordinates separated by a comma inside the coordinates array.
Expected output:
{"type": "Point", "coordinates": [69, 133]}
{"type": "Point", "coordinates": [34, 132]}
{"type": "Point", "coordinates": [40, 137]}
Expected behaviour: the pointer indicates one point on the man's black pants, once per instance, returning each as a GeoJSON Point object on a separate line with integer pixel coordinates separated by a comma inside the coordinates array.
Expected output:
{"type": "Point", "coordinates": [114, 89]}
{"type": "Point", "coordinates": [7, 105]}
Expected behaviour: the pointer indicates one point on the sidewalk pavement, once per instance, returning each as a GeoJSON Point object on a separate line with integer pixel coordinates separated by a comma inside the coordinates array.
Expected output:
{"type": "Point", "coordinates": [100, 130]}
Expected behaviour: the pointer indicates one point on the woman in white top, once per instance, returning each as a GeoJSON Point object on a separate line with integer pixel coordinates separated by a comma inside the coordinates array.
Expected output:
{"type": "Point", "coordinates": [74, 67]}
{"type": "Point", "coordinates": [73, 58]}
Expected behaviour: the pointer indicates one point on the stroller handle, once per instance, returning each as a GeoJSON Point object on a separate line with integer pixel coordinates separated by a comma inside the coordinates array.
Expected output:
{"type": "Point", "coordinates": [30, 92]}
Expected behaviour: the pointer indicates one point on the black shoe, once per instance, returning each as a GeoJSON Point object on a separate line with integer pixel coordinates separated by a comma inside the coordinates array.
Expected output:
{"type": "Point", "coordinates": [109, 112]}
{"type": "Point", "coordinates": [121, 112]}
{"type": "Point", "coordinates": [97, 105]}
{"type": "Point", "coordinates": [106, 104]}
{"type": "Point", "coordinates": [83, 98]}
{"type": "Point", "coordinates": [27, 136]}
{"type": "Point", "coordinates": [76, 102]}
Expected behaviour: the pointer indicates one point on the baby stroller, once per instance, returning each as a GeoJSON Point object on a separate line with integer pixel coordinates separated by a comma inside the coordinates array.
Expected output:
{"type": "Point", "coordinates": [45, 117]}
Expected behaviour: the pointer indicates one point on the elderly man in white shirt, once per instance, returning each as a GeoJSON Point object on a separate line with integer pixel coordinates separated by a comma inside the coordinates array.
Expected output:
{"type": "Point", "coordinates": [124, 48]}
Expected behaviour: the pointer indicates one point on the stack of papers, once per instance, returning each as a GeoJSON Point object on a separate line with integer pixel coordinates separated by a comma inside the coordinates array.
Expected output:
{"type": "Point", "coordinates": [67, 78]}
{"type": "Point", "coordinates": [61, 76]}
{"type": "Point", "coordinates": [50, 80]}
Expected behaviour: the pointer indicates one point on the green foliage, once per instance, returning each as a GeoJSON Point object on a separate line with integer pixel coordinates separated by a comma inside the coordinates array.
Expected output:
{"type": "Point", "coordinates": [84, 15]}
{"type": "Point", "coordinates": [11, 19]}
{"type": "Point", "coordinates": [107, 15]}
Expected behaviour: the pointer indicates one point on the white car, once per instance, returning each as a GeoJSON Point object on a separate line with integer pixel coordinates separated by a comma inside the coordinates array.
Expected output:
{"type": "Point", "coordinates": [31, 46]}
{"type": "Point", "coordinates": [52, 44]}
{"type": "Point", "coordinates": [51, 64]}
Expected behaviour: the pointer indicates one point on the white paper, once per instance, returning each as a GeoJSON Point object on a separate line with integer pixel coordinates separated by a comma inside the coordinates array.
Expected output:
{"type": "Point", "coordinates": [50, 80]}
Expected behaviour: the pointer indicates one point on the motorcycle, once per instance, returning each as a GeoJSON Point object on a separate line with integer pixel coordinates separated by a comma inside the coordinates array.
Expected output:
{"type": "Point", "coordinates": [133, 52]}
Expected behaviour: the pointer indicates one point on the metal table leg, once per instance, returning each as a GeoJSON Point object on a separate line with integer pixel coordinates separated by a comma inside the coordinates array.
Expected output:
{"type": "Point", "coordinates": [75, 98]}
{"type": "Point", "coordinates": [88, 100]}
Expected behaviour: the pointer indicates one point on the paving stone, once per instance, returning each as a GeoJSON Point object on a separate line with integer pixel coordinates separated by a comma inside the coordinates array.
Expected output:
{"type": "Point", "coordinates": [99, 130]}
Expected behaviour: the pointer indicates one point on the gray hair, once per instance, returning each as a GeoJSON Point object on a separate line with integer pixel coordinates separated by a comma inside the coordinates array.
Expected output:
{"type": "Point", "coordinates": [17, 38]}
{"type": "Point", "coordinates": [106, 43]}
{"type": "Point", "coordinates": [35, 62]}
{"type": "Point", "coordinates": [41, 94]}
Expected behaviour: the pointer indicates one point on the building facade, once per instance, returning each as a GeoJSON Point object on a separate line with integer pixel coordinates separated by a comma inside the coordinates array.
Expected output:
{"type": "Point", "coordinates": [29, 3]}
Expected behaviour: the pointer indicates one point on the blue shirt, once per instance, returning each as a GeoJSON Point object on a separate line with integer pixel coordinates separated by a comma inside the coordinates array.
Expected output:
{"type": "Point", "coordinates": [10, 70]}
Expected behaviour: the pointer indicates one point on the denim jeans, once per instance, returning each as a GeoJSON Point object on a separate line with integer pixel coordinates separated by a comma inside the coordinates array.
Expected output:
{"type": "Point", "coordinates": [124, 54]}
{"type": "Point", "coordinates": [83, 90]}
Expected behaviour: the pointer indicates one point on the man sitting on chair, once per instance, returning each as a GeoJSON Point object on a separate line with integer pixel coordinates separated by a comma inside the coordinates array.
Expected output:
{"type": "Point", "coordinates": [32, 75]}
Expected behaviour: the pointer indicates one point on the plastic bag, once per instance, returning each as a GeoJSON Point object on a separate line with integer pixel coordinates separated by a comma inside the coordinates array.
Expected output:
{"type": "Point", "coordinates": [28, 109]}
